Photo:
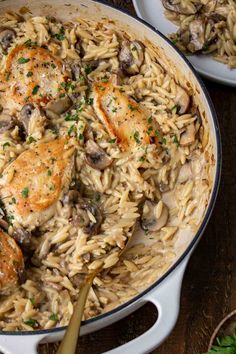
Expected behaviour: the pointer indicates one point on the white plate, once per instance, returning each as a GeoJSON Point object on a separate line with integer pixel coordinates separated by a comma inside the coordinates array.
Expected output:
{"type": "Point", "coordinates": [152, 11]}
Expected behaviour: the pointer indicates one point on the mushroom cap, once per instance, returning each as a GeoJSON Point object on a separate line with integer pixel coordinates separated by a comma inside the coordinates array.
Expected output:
{"type": "Point", "coordinates": [182, 99]}
{"type": "Point", "coordinates": [29, 111]}
{"type": "Point", "coordinates": [188, 136]}
{"type": "Point", "coordinates": [131, 57]}
{"type": "Point", "coordinates": [88, 216]}
{"type": "Point", "coordinates": [178, 8]}
{"type": "Point", "coordinates": [7, 35]}
{"type": "Point", "coordinates": [96, 156]}
{"type": "Point", "coordinates": [59, 105]}
{"type": "Point", "coordinates": [154, 216]}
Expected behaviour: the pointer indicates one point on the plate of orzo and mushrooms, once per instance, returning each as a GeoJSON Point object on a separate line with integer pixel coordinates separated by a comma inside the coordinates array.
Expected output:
{"type": "Point", "coordinates": [204, 30]}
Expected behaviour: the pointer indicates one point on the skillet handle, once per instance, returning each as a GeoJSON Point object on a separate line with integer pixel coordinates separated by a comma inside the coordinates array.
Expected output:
{"type": "Point", "coordinates": [166, 298]}
{"type": "Point", "coordinates": [15, 344]}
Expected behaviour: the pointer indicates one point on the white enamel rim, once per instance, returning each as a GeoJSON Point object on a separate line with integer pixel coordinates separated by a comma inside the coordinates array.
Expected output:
{"type": "Point", "coordinates": [164, 293]}
{"type": "Point", "coordinates": [152, 11]}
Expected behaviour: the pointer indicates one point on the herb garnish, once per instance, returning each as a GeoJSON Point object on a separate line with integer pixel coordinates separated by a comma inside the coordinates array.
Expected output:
{"type": "Point", "coordinates": [88, 69]}
{"type": "Point", "coordinates": [30, 140]}
{"type": "Point", "coordinates": [112, 141]}
{"type": "Point", "coordinates": [132, 108]}
{"type": "Point", "coordinates": [23, 60]}
{"type": "Point", "coordinates": [136, 137]}
{"type": "Point", "coordinates": [54, 317]}
{"type": "Point", "coordinates": [32, 323]}
{"type": "Point", "coordinates": [49, 173]}
{"type": "Point", "coordinates": [35, 89]}
{"type": "Point", "coordinates": [29, 74]}
{"type": "Point", "coordinates": [60, 35]}
{"type": "Point", "coordinates": [25, 192]}
{"type": "Point", "coordinates": [225, 345]}
{"type": "Point", "coordinates": [7, 76]}
{"type": "Point", "coordinates": [5, 145]}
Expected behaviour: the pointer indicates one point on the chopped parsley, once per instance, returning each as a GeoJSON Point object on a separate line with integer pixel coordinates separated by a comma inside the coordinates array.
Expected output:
{"type": "Point", "coordinates": [176, 108]}
{"type": "Point", "coordinates": [29, 74]}
{"type": "Point", "coordinates": [88, 69]}
{"type": "Point", "coordinates": [112, 141]}
{"type": "Point", "coordinates": [71, 117]}
{"type": "Point", "coordinates": [174, 41]}
{"type": "Point", "coordinates": [30, 140]}
{"type": "Point", "coordinates": [175, 139]}
{"type": "Point", "coordinates": [89, 101]}
{"type": "Point", "coordinates": [114, 109]}
{"type": "Point", "coordinates": [132, 108]}
{"type": "Point", "coordinates": [205, 47]}
{"type": "Point", "coordinates": [29, 43]}
{"type": "Point", "coordinates": [13, 200]}
{"type": "Point", "coordinates": [104, 79]}
{"type": "Point", "coordinates": [97, 197]}
{"type": "Point", "coordinates": [7, 76]}
{"type": "Point", "coordinates": [101, 88]}
{"type": "Point", "coordinates": [52, 187]}
{"type": "Point", "coordinates": [25, 192]}
{"type": "Point", "coordinates": [81, 137]}
{"type": "Point", "coordinates": [32, 300]}
{"type": "Point", "coordinates": [142, 159]}
{"type": "Point", "coordinates": [49, 173]}
{"type": "Point", "coordinates": [54, 317]}
{"type": "Point", "coordinates": [150, 120]}
{"type": "Point", "coordinates": [60, 35]}
{"type": "Point", "coordinates": [22, 60]}
{"type": "Point", "coordinates": [53, 65]}
{"type": "Point", "coordinates": [68, 85]}
{"type": "Point", "coordinates": [7, 144]}
{"type": "Point", "coordinates": [136, 137]}
{"type": "Point", "coordinates": [71, 129]}
{"type": "Point", "coordinates": [32, 323]}
{"type": "Point", "coordinates": [35, 90]}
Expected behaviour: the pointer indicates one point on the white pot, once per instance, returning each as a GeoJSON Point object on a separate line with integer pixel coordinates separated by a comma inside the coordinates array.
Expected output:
{"type": "Point", "coordinates": [165, 292]}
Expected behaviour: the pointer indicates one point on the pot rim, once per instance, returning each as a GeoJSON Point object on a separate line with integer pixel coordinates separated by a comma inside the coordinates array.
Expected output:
{"type": "Point", "coordinates": [210, 207]}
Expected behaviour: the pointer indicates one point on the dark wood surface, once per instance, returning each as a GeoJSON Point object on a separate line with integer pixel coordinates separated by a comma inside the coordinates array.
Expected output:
{"type": "Point", "coordinates": [209, 286]}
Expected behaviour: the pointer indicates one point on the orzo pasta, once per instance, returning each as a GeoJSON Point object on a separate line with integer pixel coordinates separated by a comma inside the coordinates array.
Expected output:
{"type": "Point", "coordinates": [98, 140]}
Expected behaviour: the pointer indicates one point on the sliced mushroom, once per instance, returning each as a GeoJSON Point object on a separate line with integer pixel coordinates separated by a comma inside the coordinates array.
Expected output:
{"type": "Point", "coordinates": [88, 216]}
{"type": "Point", "coordinates": [59, 105]}
{"type": "Point", "coordinates": [188, 136]}
{"type": "Point", "coordinates": [71, 197]}
{"type": "Point", "coordinates": [215, 17]}
{"type": "Point", "coordinates": [7, 35]}
{"type": "Point", "coordinates": [4, 224]}
{"type": "Point", "coordinates": [96, 156]}
{"type": "Point", "coordinates": [131, 57]}
{"type": "Point", "coordinates": [182, 100]}
{"type": "Point", "coordinates": [185, 173]}
{"type": "Point", "coordinates": [197, 34]}
{"type": "Point", "coordinates": [22, 238]}
{"type": "Point", "coordinates": [79, 48]}
{"type": "Point", "coordinates": [7, 122]}
{"type": "Point", "coordinates": [178, 8]}
{"type": "Point", "coordinates": [28, 112]}
{"type": "Point", "coordinates": [154, 215]}
{"type": "Point", "coordinates": [76, 70]}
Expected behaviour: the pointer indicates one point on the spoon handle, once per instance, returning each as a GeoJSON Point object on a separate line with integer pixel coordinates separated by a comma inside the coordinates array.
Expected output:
{"type": "Point", "coordinates": [69, 342]}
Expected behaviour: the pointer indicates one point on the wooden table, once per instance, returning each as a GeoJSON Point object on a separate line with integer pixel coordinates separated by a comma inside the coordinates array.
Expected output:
{"type": "Point", "coordinates": [209, 287]}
